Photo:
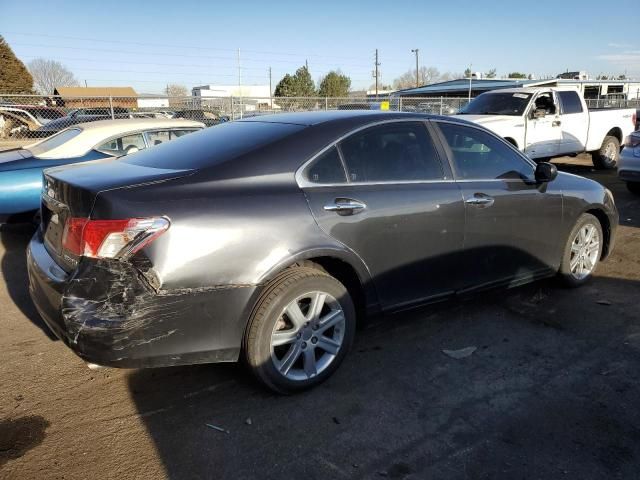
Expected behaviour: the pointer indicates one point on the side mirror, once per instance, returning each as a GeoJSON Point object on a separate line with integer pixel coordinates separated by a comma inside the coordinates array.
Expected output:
{"type": "Point", "coordinates": [539, 113]}
{"type": "Point", "coordinates": [546, 172]}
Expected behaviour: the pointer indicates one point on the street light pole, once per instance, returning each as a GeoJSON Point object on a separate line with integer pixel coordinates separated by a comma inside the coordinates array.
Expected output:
{"type": "Point", "coordinates": [416, 50]}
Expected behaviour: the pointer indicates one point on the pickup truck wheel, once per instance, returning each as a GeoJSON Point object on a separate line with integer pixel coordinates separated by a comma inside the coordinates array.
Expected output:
{"type": "Point", "coordinates": [634, 187]}
{"type": "Point", "coordinates": [607, 156]}
{"type": "Point", "coordinates": [582, 251]}
{"type": "Point", "coordinates": [301, 329]}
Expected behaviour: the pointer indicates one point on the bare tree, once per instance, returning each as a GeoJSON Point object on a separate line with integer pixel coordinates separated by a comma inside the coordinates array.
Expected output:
{"type": "Point", "coordinates": [49, 74]}
{"type": "Point", "coordinates": [176, 94]}
{"type": "Point", "coordinates": [176, 90]}
{"type": "Point", "coordinates": [426, 75]}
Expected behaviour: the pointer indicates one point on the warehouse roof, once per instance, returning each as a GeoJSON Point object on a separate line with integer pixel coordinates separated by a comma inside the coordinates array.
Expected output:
{"type": "Point", "coordinates": [95, 91]}
{"type": "Point", "coordinates": [462, 85]}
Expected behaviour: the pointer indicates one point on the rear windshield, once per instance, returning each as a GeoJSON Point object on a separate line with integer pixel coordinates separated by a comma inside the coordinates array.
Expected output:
{"type": "Point", "coordinates": [213, 145]}
{"type": "Point", "coordinates": [54, 141]}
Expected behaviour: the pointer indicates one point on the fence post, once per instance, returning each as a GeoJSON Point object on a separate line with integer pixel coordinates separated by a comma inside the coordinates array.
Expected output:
{"type": "Point", "coordinates": [111, 106]}
{"type": "Point", "coordinates": [326, 103]}
{"type": "Point", "coordinates": [441, 100]}
{"type": "Point", "coordinates": [400, 103]}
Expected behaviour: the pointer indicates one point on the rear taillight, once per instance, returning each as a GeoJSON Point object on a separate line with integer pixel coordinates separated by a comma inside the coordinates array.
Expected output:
{"type": "Point", "coordinates": [110, 238]}
{"type": "Point", "coordinates": [632, 141]}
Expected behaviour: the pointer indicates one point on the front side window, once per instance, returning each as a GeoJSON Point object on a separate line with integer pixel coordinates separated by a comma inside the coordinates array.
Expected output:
{"type": "Point", "coordinates": [570, 102]}
{"type": "Point", "coordinates": [179, 133]}
{"type": "Point", "coordinates": [477, 155]}
{"type": "Point", "coordinates": [401, 151]}
{"type": "Point", "coordinates": [158, 137]}
{"type": "Point", "coordinates": [545, 102]}
{"type": "Point", "coordinates": [123, 145]}
{"type": "Point", "coordinates": [327, 168]}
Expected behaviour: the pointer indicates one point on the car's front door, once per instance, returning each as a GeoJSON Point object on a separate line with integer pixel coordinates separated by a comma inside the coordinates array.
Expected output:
{"type": "Point", "coordinates": [543, 132]}
{"type": "Point", "coordinates": [512, 223]}
{"type": "Point", "coordinates": [396, 207]}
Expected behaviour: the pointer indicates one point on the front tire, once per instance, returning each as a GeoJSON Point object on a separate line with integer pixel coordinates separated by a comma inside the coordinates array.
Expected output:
{"type": "Point", "coordinates": [301, 329]}
{"type": "Point", "coordinates": [582, 251]}
{"type": "Point", "coordinates": [634, 187]}
{"type": "Point", "coordinates": [607, 157]}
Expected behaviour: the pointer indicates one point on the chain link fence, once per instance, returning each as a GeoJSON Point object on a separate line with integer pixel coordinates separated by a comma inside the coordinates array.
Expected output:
{"type": "Point", "coordinates": [27, 118]}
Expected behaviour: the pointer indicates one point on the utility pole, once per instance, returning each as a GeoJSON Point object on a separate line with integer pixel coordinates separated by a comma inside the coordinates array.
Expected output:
{"type": "Point", "coordinates": [470, 79]}
{"type": "Point", "coordinates": [416, 50]}
{"type": "Point", "coordinates": [240, 83]}
{"type": "Point", "coordinates": [376, 72]}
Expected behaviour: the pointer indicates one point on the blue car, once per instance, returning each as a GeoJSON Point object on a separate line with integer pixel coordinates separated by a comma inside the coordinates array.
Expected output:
{"type": "Point", "coordinates": [21, 168]}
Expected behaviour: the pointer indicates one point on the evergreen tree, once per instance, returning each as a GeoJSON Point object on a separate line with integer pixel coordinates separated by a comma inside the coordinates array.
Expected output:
{"type": "Point", "coordinates": [14, 76]}
{"type": "Point", "coordinates": [334, 84]}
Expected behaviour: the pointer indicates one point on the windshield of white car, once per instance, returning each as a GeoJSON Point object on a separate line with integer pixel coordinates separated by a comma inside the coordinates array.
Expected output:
{"type": "Point", "coordinates": [54, 141]}
{"type": "Point", "coordinates": [499, 103]}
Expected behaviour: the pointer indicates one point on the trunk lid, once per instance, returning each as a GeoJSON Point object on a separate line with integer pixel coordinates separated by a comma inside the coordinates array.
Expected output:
{"type": "Point", "coordinates": [71, 191]}
{"type": "Point", "coordinates": [15, 159]}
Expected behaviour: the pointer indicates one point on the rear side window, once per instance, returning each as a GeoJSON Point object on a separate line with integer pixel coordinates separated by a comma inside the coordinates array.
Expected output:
{"type": "Point", "coordinates": [478, 155]}
{"type": "Point", "coordinates": [327, 168]}
{"type": "Point", "coordinates": [123, 145]}
{"type": "Point", "coordinates": [570, 102]}
{"type": "Point", "coordinates": [401, 151]}
{"type": "Point", "coordinates": [213, 145]}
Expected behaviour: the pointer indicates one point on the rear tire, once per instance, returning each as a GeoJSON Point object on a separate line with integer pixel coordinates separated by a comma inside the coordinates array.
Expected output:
{"type": "Point", "coordinates": [607, 157]}
{"type": "Point", "coordinates": [582, 251]}
{"type": "Point", "coordinates": [634, 187]}
{"type": "Point", "coordinates": [290, 345]}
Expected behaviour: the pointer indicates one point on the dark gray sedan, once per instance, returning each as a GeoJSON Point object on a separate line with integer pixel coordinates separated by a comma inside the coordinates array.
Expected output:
{"type": "Point", "coordinates": [268, 238]}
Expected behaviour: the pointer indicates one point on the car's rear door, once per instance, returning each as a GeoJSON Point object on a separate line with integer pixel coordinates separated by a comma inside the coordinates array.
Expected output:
{"type": "Point", "coordinates": [513, 224]}
{"type": "Point", "coordinates": [397, 208]}
{"type": "Point", "coordinates": [574, 123]}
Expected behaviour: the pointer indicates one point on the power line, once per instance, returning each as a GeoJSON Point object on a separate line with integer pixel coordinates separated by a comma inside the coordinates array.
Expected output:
{"type": "Point", "coordinates": [165, 54]}
{"type": "Point", "coordinates": [191, 47]}
{"type": "Point", "coordinates": [196, 47]}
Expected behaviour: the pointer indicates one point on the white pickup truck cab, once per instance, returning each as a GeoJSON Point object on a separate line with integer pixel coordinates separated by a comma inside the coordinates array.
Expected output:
{"type": "Point", "coordinates": [549, 122]}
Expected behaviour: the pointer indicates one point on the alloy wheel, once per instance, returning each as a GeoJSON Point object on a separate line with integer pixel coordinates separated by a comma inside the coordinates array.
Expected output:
{"type": "Point", "coordinates": [611, 152]}
{"type": "Point", "coordinates": [585, 249]}
{"type": "Point", "coordinates": [307, 336]}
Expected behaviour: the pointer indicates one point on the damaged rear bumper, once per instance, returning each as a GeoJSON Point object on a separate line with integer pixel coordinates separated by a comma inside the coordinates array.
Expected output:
{"type": "Point", "coordinates": [108, 314]}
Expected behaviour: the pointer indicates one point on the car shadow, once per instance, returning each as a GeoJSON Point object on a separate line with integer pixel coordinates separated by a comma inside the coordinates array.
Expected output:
{"type": "Point", "coordinates": [14, 239]}
{"type": "Point", "coordinates": [544, 376]}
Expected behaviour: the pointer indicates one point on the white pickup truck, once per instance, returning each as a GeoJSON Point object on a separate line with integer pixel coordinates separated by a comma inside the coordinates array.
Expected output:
{"type": "Point", "coordinates": [549, 122]}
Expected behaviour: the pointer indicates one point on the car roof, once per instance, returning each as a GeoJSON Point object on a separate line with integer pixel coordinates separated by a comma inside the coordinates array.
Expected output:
{"type": "Point", "coordinates": [320, 117]}
{"type": "Point", "coordinates": [94, 133]}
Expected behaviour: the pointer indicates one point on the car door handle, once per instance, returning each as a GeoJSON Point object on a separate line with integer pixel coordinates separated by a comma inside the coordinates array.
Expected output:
{"type": "Point", "coordinates": [481, 200]}
{"type": "Point", "coordinates": [345, 206]}
{"type": "Point", "coordinates": [556, 123]}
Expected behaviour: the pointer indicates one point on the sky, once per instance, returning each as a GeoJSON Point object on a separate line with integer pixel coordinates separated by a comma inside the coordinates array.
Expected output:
{"type": "Point", "coordinates": [148, 44]}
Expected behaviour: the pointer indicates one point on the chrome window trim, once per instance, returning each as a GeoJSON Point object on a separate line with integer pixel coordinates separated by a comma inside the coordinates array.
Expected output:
{"type": "Point", "coordinates": [304, 183]}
